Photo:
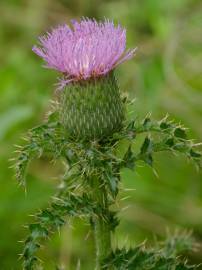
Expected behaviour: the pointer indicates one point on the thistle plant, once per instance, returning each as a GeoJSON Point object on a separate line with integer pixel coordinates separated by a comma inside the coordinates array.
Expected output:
{"type": "Point", "coordinates": [84, 129]}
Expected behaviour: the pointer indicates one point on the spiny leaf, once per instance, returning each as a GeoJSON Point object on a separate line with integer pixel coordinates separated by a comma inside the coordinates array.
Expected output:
{"type": "Point", "coordinates": [53, 218]}
{"type": "Point", "coordinates": [147, 123]}
{"type": "Point", "coordinates": [46, 138]}
{"type": "Point", "coordinates": [146, 146]}
{"type": "Point", "coordinates": [177, 243]}
{"type": "Point", "coordinates": [37, 231]}
{"type": "Point", "coordinates": [195, 154]}
{"type": "Point", "coordinates": [140, 258]}
{"type": "Point", "coordinates": [165, 125]}
{"type": "Point", "coordinates": [146, 151]}
{"type": "Point", "coordinates": [129, 159]}
{"type": "Point", "coordinates": [180, 133]}
{"type": "Point", "coordinates": [172, 137]}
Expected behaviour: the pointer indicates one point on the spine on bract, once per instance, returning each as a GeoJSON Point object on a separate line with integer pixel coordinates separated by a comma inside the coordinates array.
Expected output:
{"type": "Point", "coordinates": [92, 109]}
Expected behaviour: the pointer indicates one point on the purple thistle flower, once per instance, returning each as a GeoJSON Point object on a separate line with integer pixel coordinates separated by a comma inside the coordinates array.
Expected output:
{"type": "Point", "coordinates": [88, 49]}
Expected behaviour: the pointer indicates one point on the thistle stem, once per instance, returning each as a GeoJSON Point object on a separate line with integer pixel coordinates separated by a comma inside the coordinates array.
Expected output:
{"type": "Point", "coordinates": [102, 241]}
{"type": "Point", "coordinates": [101, 228]}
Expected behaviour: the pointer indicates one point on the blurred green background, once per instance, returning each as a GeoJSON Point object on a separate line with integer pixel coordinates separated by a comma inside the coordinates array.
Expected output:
{"type": "Point", "coordinates": [165, 76]}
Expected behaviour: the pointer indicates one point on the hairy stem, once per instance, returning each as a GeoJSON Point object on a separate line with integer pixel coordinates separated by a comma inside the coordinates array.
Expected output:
{"type": "Point", "coordinates": [101, 227]}
{"type": "Point", "coordinates": [102, 241]}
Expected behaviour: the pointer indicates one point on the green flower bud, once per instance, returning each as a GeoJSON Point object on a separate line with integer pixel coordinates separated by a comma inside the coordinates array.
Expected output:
{"type": "Point", "coordinates": [92, 109]}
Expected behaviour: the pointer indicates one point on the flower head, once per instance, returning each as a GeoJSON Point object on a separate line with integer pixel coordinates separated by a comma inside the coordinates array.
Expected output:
{"type": "Point", "coordinates": [87, 49]}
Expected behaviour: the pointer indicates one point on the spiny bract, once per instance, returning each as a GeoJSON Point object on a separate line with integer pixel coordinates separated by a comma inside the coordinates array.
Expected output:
{"type": "Point", "coordinates": [93, 109]}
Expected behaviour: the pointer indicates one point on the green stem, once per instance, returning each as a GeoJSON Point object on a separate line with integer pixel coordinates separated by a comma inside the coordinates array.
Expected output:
{"type": "Point", "coordinates": [102, 241]}
{"type": "Point", "coordinates": [101, 228]}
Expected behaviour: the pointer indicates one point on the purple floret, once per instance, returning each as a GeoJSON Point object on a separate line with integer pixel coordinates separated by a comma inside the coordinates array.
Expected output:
{"type": "Point", "coordinates": [88, 49]}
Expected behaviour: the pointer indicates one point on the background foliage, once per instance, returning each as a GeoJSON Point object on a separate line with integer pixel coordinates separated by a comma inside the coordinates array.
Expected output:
{"type": "Point", "coordinates": [163, 77]}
